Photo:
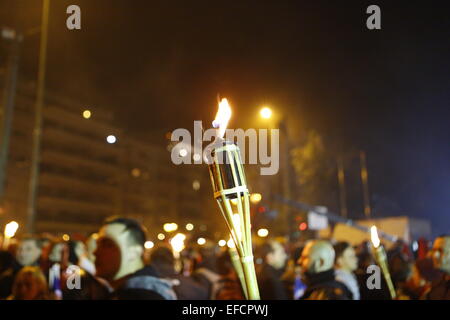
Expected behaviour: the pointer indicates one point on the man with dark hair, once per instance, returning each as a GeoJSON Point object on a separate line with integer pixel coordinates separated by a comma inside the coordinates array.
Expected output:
{"type": "Point", "coordinates": [119, 260]}
{"type": "Point", "coordinates": [345, 263]}
{"type": "Point", "coordinates": [269, 273]}
{"type": "Point", "coordinates": [163, 260]}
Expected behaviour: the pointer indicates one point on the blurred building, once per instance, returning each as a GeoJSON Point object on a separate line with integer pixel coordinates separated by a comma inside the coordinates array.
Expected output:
{"type": "Point", "coordinates": [83, 179]}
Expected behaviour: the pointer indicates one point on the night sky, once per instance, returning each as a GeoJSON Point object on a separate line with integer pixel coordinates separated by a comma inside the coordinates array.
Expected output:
{"type": "Point", "coordinates": [159, 65]}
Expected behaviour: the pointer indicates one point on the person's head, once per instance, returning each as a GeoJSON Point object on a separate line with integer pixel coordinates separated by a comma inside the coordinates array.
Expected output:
{"type": "Point", "coordinates": [400, 267]}
{"type": "Point", "coordinates": [56, 252]}
{"type": "Point", "coordinates": [120, 247]}
{"type": "Point", "coordinates": [345, 257]}
{"type": "Point", "coordinates": [163, 260]}
{"type": "Point", "coordinates": [441, 253]}
{"type": "Point", "coordinates": [273, 253]}
{"type": "Point", "coordinates": [30, 284]}
{"type": "Point", "coordinates": [28, 251]}
{"type": "Point", "coordinates": [317, 256]}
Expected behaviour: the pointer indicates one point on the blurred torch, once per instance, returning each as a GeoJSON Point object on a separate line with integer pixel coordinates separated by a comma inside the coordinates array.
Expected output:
{"type": "Point", "coordinates": [10, 231]}
{"type": "Point", "coordinates": [381, 258]}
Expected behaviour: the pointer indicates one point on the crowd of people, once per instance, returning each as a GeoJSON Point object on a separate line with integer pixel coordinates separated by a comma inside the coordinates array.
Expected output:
{"type": "Point", "coordinates": [114, 264]}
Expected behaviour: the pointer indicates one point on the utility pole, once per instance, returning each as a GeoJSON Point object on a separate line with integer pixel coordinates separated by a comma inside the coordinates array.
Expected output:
{"type": "Point", "coordinates": [365, 184]}
{"type": "Point", "coordinates": [342, 189]}
{"type": "Point", "coordinates": [7, 111]}
{"type": "Point", "coordinates": [37, 131]}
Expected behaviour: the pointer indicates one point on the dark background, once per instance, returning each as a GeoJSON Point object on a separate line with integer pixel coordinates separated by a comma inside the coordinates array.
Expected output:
{"type": "Point", "coordinates": [159, 65]}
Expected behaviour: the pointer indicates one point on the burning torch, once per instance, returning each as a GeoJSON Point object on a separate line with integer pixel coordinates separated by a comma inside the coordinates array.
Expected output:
{"type": "Point", "coordinates": [229, 186]}
{"type": "Point", "coordinates": [381, 258]}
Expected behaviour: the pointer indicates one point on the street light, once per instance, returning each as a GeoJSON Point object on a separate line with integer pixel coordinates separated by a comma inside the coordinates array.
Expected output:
{"type": "Point", "coordinates": [265, 113]}
{"type": "Point", "coordinates": [111, 139]}
{"type": "Point", "coordinates": [87, 114]}
{"type": "Point", "coordinates": [255, 198]}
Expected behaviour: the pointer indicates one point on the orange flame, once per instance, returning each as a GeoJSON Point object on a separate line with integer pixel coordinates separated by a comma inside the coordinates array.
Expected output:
{"type": "Point", "coordinates": [374, 237]}
{"type": "Point", "coordinates": [222, 117]}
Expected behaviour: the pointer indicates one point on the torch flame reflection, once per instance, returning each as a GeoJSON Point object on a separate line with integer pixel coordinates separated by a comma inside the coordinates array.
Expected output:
{"type": "Point", "coordinates": [374, 237]}
{"type": "Point", "coordinates": [222, 117]}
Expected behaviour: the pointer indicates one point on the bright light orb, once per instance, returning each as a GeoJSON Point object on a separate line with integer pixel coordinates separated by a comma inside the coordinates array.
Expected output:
{"type": "Point", "coordinates": [201, 241]}
{"type": "Point", "coordinates": [161, 236]}
{"type": "Point", "coordinates": [222, 243]}
{"type": "Point", "coordinates": [189, 227]}
{"type": "Point", "coordinates": [255, 198]}
{"type": "Point", "coordinates": [170, 227]}
{"type": "Point", "coordinates": [263, 232]}
{"type": "Point", "coordinates": [87, 114]}
{"type": "Point", "coordinates": [111, 139]}
{"type": "Point", "coordinates": [149, 244]}
{"type": "Point", "coordinates": [183, 153]}
{"type": "Point", "coordinates": [265, 113]}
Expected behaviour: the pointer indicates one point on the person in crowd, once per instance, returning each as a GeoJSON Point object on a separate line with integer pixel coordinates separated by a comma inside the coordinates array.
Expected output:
{"type": "Point", "coordinates": [30, 284]}
{"type": "Point", "coordinates": [205, 268]}
{"type": "Point", "coordinates": [8, 268]}
{"type": "Point", "coordinates": [422, 276]}
{"type": "Point", "coordinates": [346, 263]}
{"type": "Point", "coordinates": [229, 286]}
{"type": "Point", "coordinates": [317, 262]}
{"type": "Point", "coordinates": [163, 260]}
{"type": "Point", "coordinates": [270, 271]}
{"type": "Point", "coordinates": [28, 253]}
{"type": "Point", "coordinates": [70, 259]}
{"type": "Point", "coordinates": [291, 277]}
{"type": "Point", "coordinates": [401, 269]}
{"type": "Point", "coordinates": [440, 289]}
{"type": "Point", "coordinates": [119, 260]}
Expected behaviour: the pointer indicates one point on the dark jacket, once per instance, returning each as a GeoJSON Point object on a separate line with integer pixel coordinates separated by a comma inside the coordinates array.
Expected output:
{"type": "Point", "coordinates": [323, 286]}
{"type": "Point", "coordinates": [7, 279]}
{"type": "Point", "coordinates": [144, 284]}
{"type": "Point", "coordinates": [440, 289]}
{"type": "Point", "coordinates": [270, 285]}
{"type": "Point", "coordinates": [186, 288]}
{"type": "Point", "coordinates": [371, 294]}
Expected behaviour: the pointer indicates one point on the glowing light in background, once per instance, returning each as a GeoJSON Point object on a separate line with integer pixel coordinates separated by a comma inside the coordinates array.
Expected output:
{"type": "Point", "coordinates": [189, 227]}
{"type": "Point", "coordinates": [255, 197]}
{"type": "Point", "coordinates": [201, 241]}
{"type": "Point", "coordinates": [263, 232]}
{"type": "Point", "coordinates": [170, 227]}
{"type": "Point", "coordinates": [177, 242]}
{"type": "Point", "coordinates": [265, 113]}
{"type": "Point", "coordinates": [66, 237]}
{"type": "Point", "coordinates": [196, 185]}
{"type": "Point", "coordinates": [222, 243]}
{"type": "Point", "coordinates": [161, 236]}
{"type": "Point", "coordinates": [183, 153]}
{"type": "Point", "coordinates": [87, 114]}
{"type": "Point", "coordinates": [111, 139]}
{"type": "Point", "coordinates": [303, 226]}
{"type": "Point", "coordinates": [149, 244]}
